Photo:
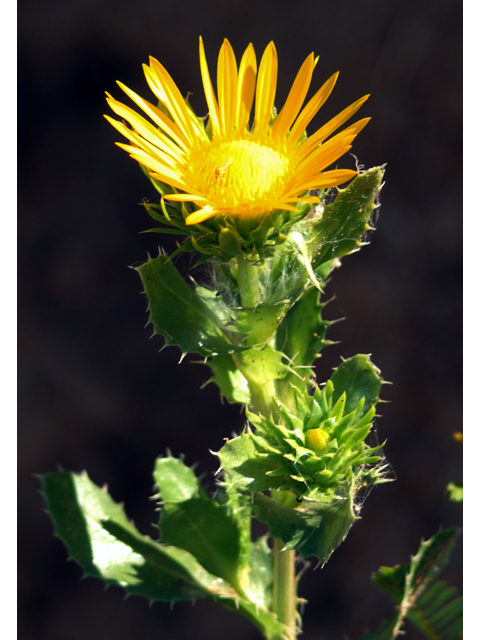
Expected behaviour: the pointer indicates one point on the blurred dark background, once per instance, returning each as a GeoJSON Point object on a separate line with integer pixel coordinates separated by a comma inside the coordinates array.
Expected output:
{"type": "Point", "coordinates": [95, 392]}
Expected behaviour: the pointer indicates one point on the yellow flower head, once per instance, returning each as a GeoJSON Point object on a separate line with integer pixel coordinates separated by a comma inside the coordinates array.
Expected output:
{"type": "Point", "coordinates": [228, 167]}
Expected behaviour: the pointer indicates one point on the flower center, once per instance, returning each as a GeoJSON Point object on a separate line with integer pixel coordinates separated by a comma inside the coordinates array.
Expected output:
{"type": "Point", "coordinates": [239, 175]}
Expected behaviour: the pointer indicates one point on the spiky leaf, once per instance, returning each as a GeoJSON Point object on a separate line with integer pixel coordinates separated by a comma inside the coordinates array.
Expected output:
{"type": "Point", "coordinates": [217, 533]}
{"type": "Point", "coordinates": [180, 314]}
{"type": "Point", "coordinates": [358, 378]}
{"type": "Point", "coordinates": [301, 336]}
{"type": "Point", "coordinates": [100, 538]}
{"type": "Point", "coordinates": [434, 608]}
{"type": "Point", "coordinates": [343, 223]}
{"type": "Point", "coordinates": [313, 528]}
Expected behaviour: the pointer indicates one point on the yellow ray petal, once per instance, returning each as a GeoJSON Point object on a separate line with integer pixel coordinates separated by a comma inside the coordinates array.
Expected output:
{"type": "Point", "coordinates": [247, 76]}
{"type": "Point", "coordinates": [175, 102]}
{"type": "Point", "coordinates": [148, 131]}
{"type": "Point", "coordinates": [173, 178]}
{"type": "Point", "coordinates": [132, 150]}
{"type": "Point", "coordinates": [306, 150]}
{"type": "Point", "coordinates": [313, 199]}
{"type": "Point", "coordinates": [333, 124]}
{"type": "Point", "coordinates": [326, 179]}
{"type": "Point", "coordinates": [209, 93]}
{"type": "Point", "coordinates": [154, 84]}
{"type": "Point", "coordinates": [227, 86]}
{"type": "Point", "coordinates": [319, 164]}
{"type": "Point", "coordinates": [160, 119]}
{"type": "Point", "coordinates": [311, 109]}
{"type": "Point", "coordinates": [324, 149]}
{"type": "Point", "coordinates": [143, 144]}
{"type": "Point", "coordinates": [295, 99]}
{"type": "Point", "coordinates": [202, 214]}
{"type": "Point", "coordinates": [266, 87]}
{"type": "Point", "coordinates": [186, 197]}
{"type": "Point", "coordinates": [283, 204]}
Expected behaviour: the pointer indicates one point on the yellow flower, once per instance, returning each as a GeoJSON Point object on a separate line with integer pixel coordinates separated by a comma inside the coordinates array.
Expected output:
{"type": "Point", "coordinates": [231, 168]}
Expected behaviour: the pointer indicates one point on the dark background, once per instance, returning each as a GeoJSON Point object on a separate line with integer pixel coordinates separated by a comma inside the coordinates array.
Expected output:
{"type": "Point", "coordinates": [96, 393]}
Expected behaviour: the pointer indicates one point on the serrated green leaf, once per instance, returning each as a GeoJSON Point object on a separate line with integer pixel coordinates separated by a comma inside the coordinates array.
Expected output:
{"type": "Point", "coordinates": [166, 230]}
{"type": "Point", "coordinates": [434, 609]}
{"type": "Point", "coordinates": [179, 314]}
{"type": "Point", "coordinates": [175, 481]}
{"type": "Point", "coordinates": [302, 333]}
{"type": "Point", "coordinates": [216, 533]}
{"type": "Point", "coordinates": [205, 529]}
{"type": "Point", "coordinates": [261, 570]}
{"type": "Point", "coordinates": [344, 222]}
{"type": "Point", "coordinates": [266, 621]}
{"type": "Point", "coordinates": [196, 523]}
{"type": "Point", "coordinates": [100, 538]}
{"type": "Point", "coordinates": [313, 528]}
{"type": "Point", "coordinates": [358, 378]}
{"type": "Point", "coordinates": [247, 469]}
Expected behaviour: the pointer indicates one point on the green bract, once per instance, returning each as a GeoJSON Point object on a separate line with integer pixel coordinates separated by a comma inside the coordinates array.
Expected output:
{"type": "Point", "coordinates": [331, 230]}
{"type": "Point", "coordinates": [279, 454]}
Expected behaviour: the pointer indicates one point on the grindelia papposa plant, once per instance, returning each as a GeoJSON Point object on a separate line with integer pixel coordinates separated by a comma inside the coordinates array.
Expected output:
{"type": "Point", "coordinates": [256, 198]}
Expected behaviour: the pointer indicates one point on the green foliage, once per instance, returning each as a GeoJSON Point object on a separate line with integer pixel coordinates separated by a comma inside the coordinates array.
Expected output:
{"type": "Point", "coordinates": [301, 336]}
{"type": "Point", "coordinates": [99, 536]}
{"type": "Point", "coordinates": [180, 314]}
{"type": "Point", "coordinates": [455, 491]}
{"type": "Point", "coordinates": [358, 378]}
{"type": "Point", "coordinates": [259, 322]}
{"type": "Point", "coordinates": [342, 224]}
{"type": "Point", "coordinates": [330, 231]}
{"type": "Point", "coordinates": [276, 455]}
{"type": "Point", "coordinates": [229, 379]}
{"type": "Point", "coordinates": [200, 525]}
{"type": "Point", "coordinates": [431, 606]}
{"type": "Point", "coordinates": [312, 528]}
{"type": "Point", "coordinates": [107, 545]}
{"type": "Point", "coordinates": [283, 454]}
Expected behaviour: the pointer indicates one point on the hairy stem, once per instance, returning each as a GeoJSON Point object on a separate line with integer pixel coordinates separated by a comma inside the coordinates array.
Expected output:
{"type": "Point", "coordinates": [247, 277]}
{"type": "Point", "coordinates": [284, 587]}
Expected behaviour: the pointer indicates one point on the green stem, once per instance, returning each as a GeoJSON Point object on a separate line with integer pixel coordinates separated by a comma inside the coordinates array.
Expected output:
{"type": "Point", "coordinates": [262, 393]}
{"type": "Point", "coordinates": [247, 278]}
{"type": "Point", "coordinates": [284, 587]}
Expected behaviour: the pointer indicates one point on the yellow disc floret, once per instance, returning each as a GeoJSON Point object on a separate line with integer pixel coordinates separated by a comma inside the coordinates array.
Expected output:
{"type": "Point", "coordinates": [240, 176]}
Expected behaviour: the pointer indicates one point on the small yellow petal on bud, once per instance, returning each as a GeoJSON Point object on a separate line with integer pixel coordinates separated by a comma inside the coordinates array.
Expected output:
{"type": "Point", "coordinates": [317, 440]}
